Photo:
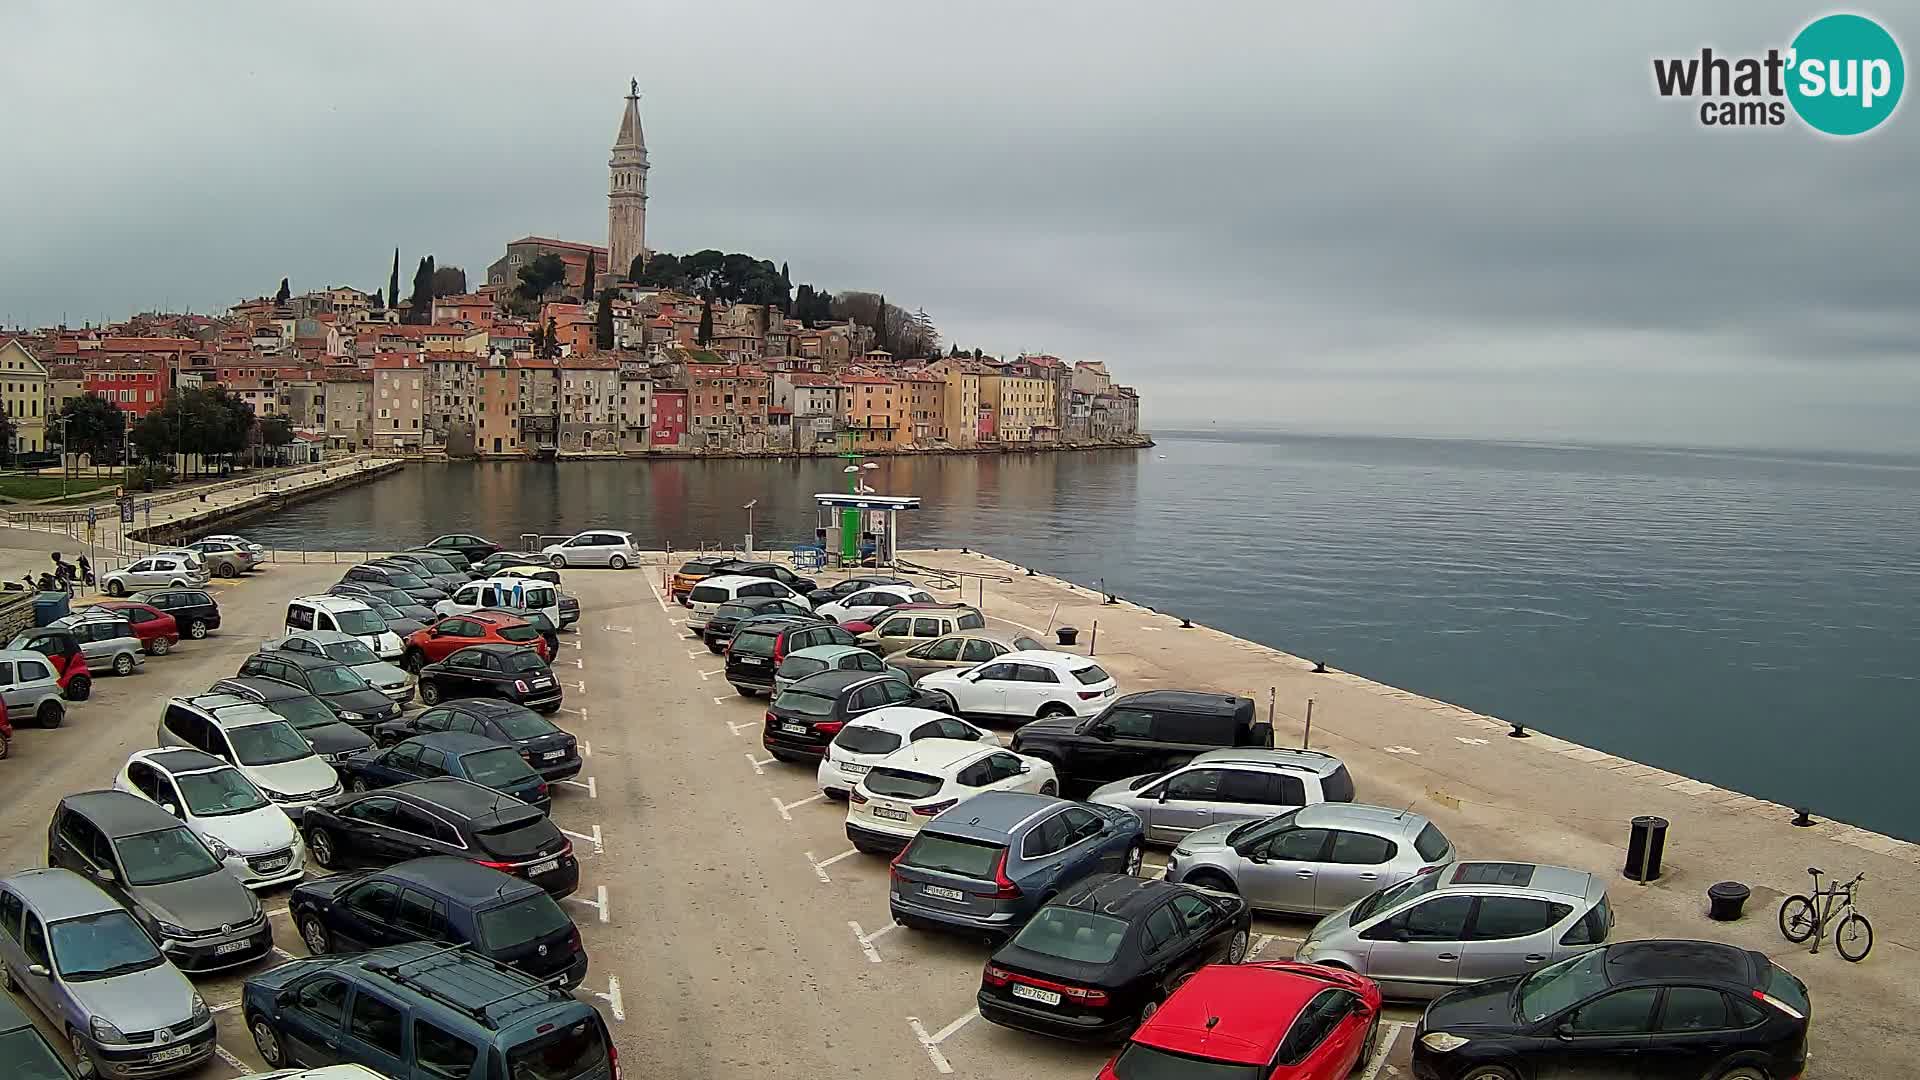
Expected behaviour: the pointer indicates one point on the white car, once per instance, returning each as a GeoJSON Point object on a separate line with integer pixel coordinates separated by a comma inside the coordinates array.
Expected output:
{"type": "Point", "coordinates": [711, 592]}
{"type": "Point", "coordinates": [598, 547]}
{"type": "Point", "coordinates": [154, 572]}
{"type": "Point", "coordinates": [911, 786]}
{"type": "Point", "coordinates": [505, 593]}
{"type": "Point", "coordinates": [867, 603]}
{"type": "Point", "coordinates": [349, 615]}
{"type": "Point", "coordinates": [257, 741]}
{"type": "Point", "coordinates": [1025, 685]}
{"type": "Point", "coordinates": [230, 558]}
{"type": "Point", "coordinates": [863, 742]}
{"type": "Point", "coordinates": [252, 838]}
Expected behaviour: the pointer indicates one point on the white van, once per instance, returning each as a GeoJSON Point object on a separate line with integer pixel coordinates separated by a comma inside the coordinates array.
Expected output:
{"type": "Point", "coordinates": [347, 615]}
{"type": "Point", "coordinates": [511, 593]}
{"type": "Point", "coordinates": [711, 592]}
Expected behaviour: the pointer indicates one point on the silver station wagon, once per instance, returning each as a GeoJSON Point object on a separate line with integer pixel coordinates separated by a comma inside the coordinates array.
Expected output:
{"type": "Point", "coordinates": [1316, 859]}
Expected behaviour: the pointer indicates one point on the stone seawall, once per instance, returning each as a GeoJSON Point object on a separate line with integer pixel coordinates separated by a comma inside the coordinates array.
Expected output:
{"type": "Point", "coordinates": [191, 521]}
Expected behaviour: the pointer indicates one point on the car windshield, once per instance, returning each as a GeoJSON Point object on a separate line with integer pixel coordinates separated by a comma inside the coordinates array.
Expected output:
{"type": "Point", "coordinates": [521, 632]}
{"type": "Point", "coordinates": [799, 667]}
{"type": "Point", "coordinates": [1084, 937]}
{"type": "Point", "coordinates": [100, 946]}
{"type": "Point", "coordinates": [804, 702]}
{"type": "Point", "coordinates": [862, 739]}
{"type": "Point", "coordinates": [527, 919]}
{"type": "Point", "coordinates": [220, 792]}
{"type": "Point", "coordinates": [1091, 675]}
{"type": "Point", "coordinates": [158, 858]}
{"type": "Point", "coordinates": [1552, 989]}
{"type": "Point", "coordinates": [563, 1055]}
{"type": "Point", "coordinates": [359, 622]}
{"type": "Point", "coordinates": [268, 744]}
{"type": "Point", "coordinates": [523, 724]}
{"type": "Point", "coordinates": [1393, 896]}
{"type": "Point", "coordinates": [523, 661]}
{"type": "Point", "coordinates": [31, 1058]}
{"type": "Point", "coordinates": [338, 679]}
{"type": "Point", "coordinates": [351, 653]}
{"type": "Point", "coordinates": [901, 784]}
{"type": "Point", "coordinates": [1138, 1061]}
{"type": "Point", "coordinates": [495, 766]}
{"type": "Point", "coordinates": [405, 580]}
{"type": "Point", "coordinates": [304, 712]}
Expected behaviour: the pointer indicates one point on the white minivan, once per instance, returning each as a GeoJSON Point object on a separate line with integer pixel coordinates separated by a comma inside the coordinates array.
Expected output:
{"type": "Point", "coordinates": [347, 615]}
{"type": "Point", "coordinates": [596, 547]}
{"type": "Point", "coordinates": [511, 593]}
{"type": "Point", "coordinates": [711, 592]}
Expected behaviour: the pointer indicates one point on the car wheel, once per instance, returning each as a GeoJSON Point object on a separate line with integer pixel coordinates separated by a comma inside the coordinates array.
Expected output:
{"type": "Point", "coordinates": [356, 784]}
{"type": "Point", "coordinates": [320, 846]}
{"type": "Point", "coordinates": [714, 648]}
{"type": "Point", "coordinates": [161, 646]}
{"type": "Point", "coordinates": [227, 570]}
{"type": "Point", "coordinates": [5, 746]}
{"type": "Point", "coordinates": [267, 1041]}
{"type": "Point", "coordinates": [1237, 948]}
{"type": "Point", "coordinates": [79, 688]}
{"type": "Point", "coordinates": [1135, 854]}
{"type": "Point", "coordinates": [429, 692]}
{"type": "Point", "coordinates": [946, 703]}
{"type": "Point", "coordinates": [1054, 709]}
{"type": "Point", "coordinates": [1490, 1072]}
{"type": "Point", "coordinates": [50, 714]}
{"type": "Point", "coordinates": [618, 562]}
{"type": "Point", "coordinates": [314, 933]}
{"type": "Point", "coordinates": [1051, 787]}
{"type": "Point", "coordinates": [1147, 1011]}
{"type": "Point", "coordinates": [6, 979]}
{"type": "Point", "coordinates": [123, 664]}
{"type": "Point", "coordinates": [557, 561]}
{"type": "Point", "coordinates": [197, 629]}
{"type": "Point", "coordinates": [115, 587]}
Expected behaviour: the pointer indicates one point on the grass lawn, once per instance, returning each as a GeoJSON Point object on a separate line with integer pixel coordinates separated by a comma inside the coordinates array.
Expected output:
{"type": "Point", "coordinates": [38, 486]}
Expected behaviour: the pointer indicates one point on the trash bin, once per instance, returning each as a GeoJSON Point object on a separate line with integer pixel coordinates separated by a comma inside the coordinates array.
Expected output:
{"type": "Point", "coordinates": [1645, 845]}
{"type": "Point", "coordinates": [1067, 634]}
{"type": "Point", "coordinates": [1725, 899]}
{"type": "Point", "coordinates": [48, 606]}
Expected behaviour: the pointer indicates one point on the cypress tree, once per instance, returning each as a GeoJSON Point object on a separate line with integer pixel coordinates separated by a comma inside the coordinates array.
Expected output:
{"type": "Point", "coordinates": [706, 321]}
{"type": "Point", "coordinates": [603, 319]}
{"type": "Point", "coordinates": [586, 283]}
{"type": "Point", "coordinates": [393, 280]}
{"type": "Point", "coordinates": [285, 292]}
{"type": "Point", "coordinates": [880, 323]}
{"type": "Point", "coordinates": [786, 291]}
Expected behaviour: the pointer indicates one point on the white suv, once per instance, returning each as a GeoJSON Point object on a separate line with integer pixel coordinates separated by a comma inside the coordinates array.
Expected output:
{"type": "Point", "coordinates": [252, 837]}
{"type": "Point", "coordinates": [711, 592]}
{"type": "Point", "coordinates": [347, 615]}
{"type": "Point", "coordinates": [867, 603]}
{"type": "Point", "coordinates": [255, 740]}
{"type": "Point", "coordinates": [864, 741]}
{"type": "Point", "coordinates": [598, 547]}
{"type": "Point", "coordinates": [1025, 685]}
{"type": "Point", "coordinates": [916, 783]}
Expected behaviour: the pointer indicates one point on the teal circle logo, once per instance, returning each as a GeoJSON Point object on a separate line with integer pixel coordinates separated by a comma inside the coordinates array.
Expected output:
{"type": "Point", "coordinates": [1846, 74]}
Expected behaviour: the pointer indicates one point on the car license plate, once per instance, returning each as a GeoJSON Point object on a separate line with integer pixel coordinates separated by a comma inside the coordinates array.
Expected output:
{"type": "Point", "coordinates": [754, 660]}
{"type": "Point", "coordinates": [852, 769]}
{"type": "Point", "coordinates": [171, 1053]}
{"type": "Point", "coordinates": [554, 755]}
{"type": "Point", "coordinates": [544, 867]}
{"type": "Point", "coordinates": [543, 682]}
{"type": "Point", "coordinates": [794, 729]}
{"type": "Point", "coordinates": [1034, 993]}
{"type": "Point", "coordinates": [944, 893]}
{"type": "Point", "coordinates": [890, 814]}
{"type": "Point", "coordinates": [275, 866]}
{"type": "Point", "coordinates": [232, 947]}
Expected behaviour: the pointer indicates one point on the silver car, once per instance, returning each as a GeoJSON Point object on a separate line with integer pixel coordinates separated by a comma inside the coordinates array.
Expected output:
{"type": "Point", "coordinates": [964, 649]}
{"type": "Point", "coordinates": [1469, 923]}
{"type": "Point", "coordinates": [31, 688]}
{"type": "Point", "coordinates": [94, 973]}
{"type": "Point", "coordinates": [175, 571]}
{"type": "Point", "coordinates": [107, 641]}
{"type": "Point", "coordinates": [1313, 860]}
{"type": "Point", "coordinates": [1222, 786]}
{"type": "Point", "coordinates": [817, 658]}
{"type": "Point", "coordinates": [389, 679]}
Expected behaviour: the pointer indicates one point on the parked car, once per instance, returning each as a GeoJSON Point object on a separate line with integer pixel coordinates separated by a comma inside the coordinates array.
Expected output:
{"type": "Point", "coordinates": [807, 715]}
{"type": "Point", "coordinates": [1099, 958]}
{"type": "Point", "coordinates": [475, 548]}
{"type": "Point", "coordinates": [907, 625]}
{"type": "Point", "coordinates": [240, 541]}
{"type": "Point", "coordinates": [347, 615]}
{"type": "Point", "coordinates": [106, 639]}
{"type": "Point", "coordinates": [62, 650]}
{"type": "Point", "coordinates": [863, 742]}
{"type": "Point", "coordinates": [989, 867]}
{"type": "Point", "coordinates": [395, 577]}
{"type": "Point", "coordinates": [799, 583]}
{"type": "Point", "coordinates": [316, 723]}
{"type": "Point", "coordinates": [1476, 921]}
{"type": "Point", "coordinates": [599, 547]}
{"type": "Point", "coordinates": [965, 649]}
{"type": "Point", "coordinates": [6, 733]}
{"type": "Point", "coordinates": [250, 835]}
{"type": "Point", "coordinates": [155, 629]}
{"type": "Point", "coordinates": [515, 594]}
{"type": "Point", "coordinates": [485, 761]}
{"type": "Point", "coordinates": [153, 572]}
{"type": "Point", "coordinates": [552, 752]}
{"type": "Point", "coordinates": [194, 610]}
{"type": "Point", "coordinates": [425, 1012]}
{"type": "Point", "coordinates": [432, 569]}
{"type": "Point", "coordinates": [225, 558]}
{"type": "Point", "coordinates": [1143, 733]}
{"type": "Point", "coordinates": [345, 648]}
{"type": "Point", "coordinates": [1313, 860]}
{"type": "Point", "coordinates": [21, 1044]}
{"type": "Point", "coordinates": [401, 624]}
{"type": "Point", "coordinates": [1669, 1008]}
{"type": "Point", "coordinates": [188, 555]}
{"type": "Point", "coordinates": [29, 688]}
{"type": "Point", "coordinates": [442, 899]}
{"type": "Point", "coordinates": [1225, 786]}
{"type": "Point", "coordinates": [442, 816]}
{"type": "Point", "coordinates": [94, 973]}
{"type": "Point", "coordinates": [924, 779]}
{"type": "Point", "coordinates": [719, 628]}
{"type": "Point", "coordinates": [788, 638]}
{"type": "Point", "coordinates": [1275, 1019]}
{"type": "Point", "coordinates": [545, 627]}
{"type": "Point", "coordinates": [846, 587]}
{"type": "Point", "coordinates": [453, 555]}
{"type": "Point", "coordinates": [398, 599]}
{"type": "Point", "coordinates": [569, 604]}
{"type": "Point", "coordinates": [815, 659]}
{"type": "Point", "coordinates": [352, 698]}
{"type": "Point", "coordinates": [447, 635]}
{"type": "Point", "coordinates": [1023, 686]}
{"type": "Point", "coordinates": [714, 591]}
{"type": "Point", "coordinates": [255, 740]}
{"type": "Point", "coordinates": [499, 560]}
{"type": "Point", "coordinates": [691, 573]}
{"type": "Point", "coordinates": [513, 672]}
{"type": "Point", "coordinates": [861, 606]}
{"type": "Point", "coordinates": [201, 916]}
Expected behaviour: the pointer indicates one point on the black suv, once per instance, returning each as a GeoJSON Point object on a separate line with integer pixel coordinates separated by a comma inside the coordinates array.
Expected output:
{"type": "Point", "coordinates": [742, 568]}
{"type": "Point", "coordinates": [193, 610]}
{"type": "Point", "coordinates": [1142, 733]}
{"type": "Point", "coordinates": [309, 716]}
{"type": "Point", "coordinates": [553, 753]}
{"type": "Point", "coordinates": [760, 643]}
{"type": "Point", "coordinates": [341, 688]}
{"type": "Point", "coordinates": [721, 624]}
{"type": "Point", "coordinates": [808, 714]}
{"type": "Point", "coordinates": [441, 899]}
{"type": "Point", "coordinates": [513, 672]}
{"type": "Point", "coordinates": [442, 816]}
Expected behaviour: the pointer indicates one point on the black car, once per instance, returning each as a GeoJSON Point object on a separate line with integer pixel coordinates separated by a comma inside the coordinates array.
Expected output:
{"type": "Point", "coordinates": [720, 624]}
{"type": "Point", "coordinates": [483, 760]}
{"type": "Point", "coordinates": [1093, 960]}
{"type": "Point", "coordinates": [513, 672]}
{"type": "Point", "coordinates": [1671, 1008]}
{"type": "Point", "coordinates": [309, 716]}
{"type": "Point", "coordinates": [394, 577]}
{"type": "Point", "coordinates": [193, 610]}
{"type": "Point", "coordinates": [398, 599]}
{"type": "Point", "coordinates": [339, 687]}
{"type": "Point", "coordinates": [500, 560]}
{"type": "Point", "coordinates": [840, 590]}
{"type": "Point", "coordinates": [743, 568]}
{"type": "Point", "coordinates": [553, 753]}
{"type": "Point", "coordinates": [1148, 732]}
{"type": "Point", "coordinates": [760, 643]}
{"type": "Point", "coordinates": [443, 816]}
{"type": "Point", "coordinates": [433, 569]}
{"type": "Point", "coordinates": [446, 900]}
{"type": "Point", "coordinates": [475, 548]}
{"type": "Point", "coordinates": [808, 714]}
{"type": "Point", "coordinates": [457, 558]}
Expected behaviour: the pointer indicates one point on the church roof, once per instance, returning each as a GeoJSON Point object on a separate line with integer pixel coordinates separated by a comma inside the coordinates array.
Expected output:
{"type": "Point", "coordinates": [630, 133]}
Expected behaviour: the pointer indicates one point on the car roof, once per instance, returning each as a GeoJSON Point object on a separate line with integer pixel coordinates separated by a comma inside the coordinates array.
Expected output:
{"type": "Point", "coordinates": [330, 601]}
{"type": "Point", "coordinates": [232, 710]}
{"type": "Point", "coordinates": [1234, 1012]}
{"type": "Point", "coordinates": [827, 653]}
{"type": "Point", "coordinates": [1379, 820]}
{"type": "Point", "coordinates": [268, 689]}
{"type": "Point", "coordinates": [485, 706]}
{"type": "Point", "coordinates": [26, 654]}
{"type": "Point", "coordinates": [118, 813]}
{"type": "Point", "coordinates": [304, 660]}
{"type": "Point", "coordinates": [1312, 761]}
{"type": "Point", "coordinates": [1070, 661]}
{"type": "Point", "coordinates": [456, 742]}
{"type": "Point", "coordinates": [835, 680]}
{"type": "Point", "coordinates": [176, 760]}
{"type": "Point", "coordinates": [933, 754]}
{"type": "Point", "coordinates": [1531, 877]}
{"type": "Point", "coordinates": [1705, 961]}
{"type": "Point", "coordinates": [324, 637]}
{"type": "Point", "coordinates": [1187, 701]}
{"type": "Point", "coordinates": [1120, 895]}
{"type": "Point", "coordinates": [462, 797]}
{"type": "Point", "coordinates": [899, 719]}
{"type": "Point", "coordinates": [460, 878]}
{"type": "Point", "coordinates": [991, 815]}
{"type": "Point", "coordinates": [498, 648]}
{"type": "Point", "coordinates": [995, 636]}
{"type": "Point", "coordinates": [731, 581]}
{"type": "Point", "coordinates": [492, 617]}
{"type": "Point", "coordinates": [466, 985]}
{"type": "Point", "coordinates": [52, 889]}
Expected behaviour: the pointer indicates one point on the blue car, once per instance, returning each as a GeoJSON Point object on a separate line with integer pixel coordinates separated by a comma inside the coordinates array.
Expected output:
{"type": "Point", "coordinates": [987, 864]}
{"type": "Point", "coordinates": [487, 762]}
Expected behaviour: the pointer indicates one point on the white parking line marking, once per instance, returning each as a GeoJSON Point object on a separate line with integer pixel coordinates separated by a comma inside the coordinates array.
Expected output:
{"type": "Point", "coordinates": [820, 866]}
{"type": "Point", "coordinates": [711, 674]}
{"type": "Point", "coordinates": [586, 748]}
{"type": "Point", "coordinates": [1394, 1028]}
{"type": "Point", "coordinates": [283, 954]}
{"type": "Point", "coordinates": [593, 790]}
{"type": "Point", "coordinates": [721, 700]}
{"type": "Point", "coordinates": [695, 654]}
{"type": "Point", "coordinates": [612, 998]}
{"type": "Point", "coordinates": [661, 600]}
{"type": "Point", "coordinates": [600, 905]}
{"type": "Point", "coordinates": [618, 629]}
{"type": "Point", "coordinates": [223, 1007]}
{"type": "Point", "coordinates": [784, 807]}
{"type": "Point", "coordinates": [574, 644]}
{"type": "Point", "coordinates": [1261, 941]}
{"type": "Point", "coordinates": [759, 764]}
{"type": "Point", "coordinates": [931, 1043]}
{"type": "Point", "coordinates": [231, 1062]}
{"type": "Point", "coordinates": [580, 712]}
{"type": "Point", "coordinates": [599, 846]}
{"type": "Point", "coordinates": [580, 685]}
{"type": "Point", "coordinates": [738, 728]}
{"type": "Point", "coordinates": [272, 912]}
{"type": "Point", "coordinates": [866, 941]}
{"type": "Point", "coordinates": [1401, 750]}
{"type": "Point", "coordinates": [1462, 739]}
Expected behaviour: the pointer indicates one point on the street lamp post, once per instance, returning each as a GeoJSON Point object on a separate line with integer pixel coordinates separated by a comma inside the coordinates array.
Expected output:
{"type": "Point", "coordinates": [751, 503]}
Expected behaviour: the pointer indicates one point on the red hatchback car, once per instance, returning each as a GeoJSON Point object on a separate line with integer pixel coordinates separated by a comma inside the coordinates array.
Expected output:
{"type": "Point", "coordinates": [1273, 1021]}
{"type": "Point", "coordinates": [155, 628]}
{"type": "Point", "coordinates": [449, 634]}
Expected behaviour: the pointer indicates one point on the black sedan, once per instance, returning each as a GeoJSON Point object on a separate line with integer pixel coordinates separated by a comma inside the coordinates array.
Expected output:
{"type": "Point", "coordinates": [513, 672]}
{"type": "Point", "coordinates": [500, 560]}
{"type": "Point", "coordinates": [1094, 961]}
{"type": "Point", "coordinates": [441, 817]}
{"type": "Point", "coordinates": [726, 617]}
{"type": "Point", "coordinates": [485, 761]}
{"type": "Point", "coordinates": [840, 590]}
{"type": "Point", "coordinates": [773, 571]}
{"type": "Point", "coordinates": [1672, 1008]}
{"type": "Point", "coordinates": [475, 548]}
{"type": "Point", "coordinates": [352, 698]}
{"type": "Point", "coordinates": [194, 611]}
{"type": "Point", "coordinates": [807, 715]}
{"type": "Point", "coordinates": [553, 753]}
{"type": "Point", "coordinates": [398, 599]}
{"type": "Point", "coordinates": [309, 716]}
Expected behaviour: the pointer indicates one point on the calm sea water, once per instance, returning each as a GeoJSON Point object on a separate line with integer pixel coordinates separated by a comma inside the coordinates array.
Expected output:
{"type": "Point", "coordinates": [1749, 619]}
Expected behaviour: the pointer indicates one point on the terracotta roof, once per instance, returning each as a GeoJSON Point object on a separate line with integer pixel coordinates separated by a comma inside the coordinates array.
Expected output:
{"type": "Point", "coordinates": [565, 245]}
{"type": "Point", "coordinates": [868, 380]}
{"type": "Point", "coordinates": [394, 363]}
{"type": "Point", "coordinates": [590, 362]}
{"type": "Point", "coordinates": [807, 378]}
{"type": "Point", "coordinates": [725, 371]}
{"type": "Point", "coordinates": [148, 344]}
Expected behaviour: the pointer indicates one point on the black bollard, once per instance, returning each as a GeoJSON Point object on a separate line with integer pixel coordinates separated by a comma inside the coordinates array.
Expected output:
{"type": "Point", "coordinates": [1519, 732]}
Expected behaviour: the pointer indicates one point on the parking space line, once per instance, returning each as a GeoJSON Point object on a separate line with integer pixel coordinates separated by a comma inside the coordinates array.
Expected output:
{"type": "Point", "coordinates": [577, 662]}
{"type": "Point", "coordinates": [224, 1006]}
{"type": "Point", "coordinates": [695, 654]}
{"type": "Point", "coordinates": [612, 998]}
{"type": "Point", "coordinates": [820, 866]}
{"type": "Point", "coordinates": [738, 728]}
{"type": "Point", "coordinates": [784, 807]}
{"type": "Point", "coordinates": [661, 600]}
{"type": "Point", "coordinates": [586, 748]}
{"type": "Point", "coordinates": [721, 700]}
{"type": "Point", "coordinates": [1261, 941]}
{"type": "Point", "coordinates": [580, 712]}
{"type": "Point", "coordinates": [599, 905]}
{"type": "Point", "coordinates": [618, 629]}
{"type": "Point", "coordinates": [273, 912]}
{"type": "Point", "coordinates": [1380, 1053]}
{"type": "Point", "coordinates": [580, 685]}
{"type": "Point", "coordinates": [231, 1062]}
{"type": "Point", "coordinates": [573, 644]}
{"type": "Point", "coordinates": [599, 845]}
{"type": "Point", "coordinates": [710, 674]}
{"type": "Point", "coordinates": [931, 1043]}
{"type": "Point", "coordinates": [759, 764]}
{"type": "Point", "coordinates": [593, 790]}
{"type": "Point", "coordinates": [866, 940]}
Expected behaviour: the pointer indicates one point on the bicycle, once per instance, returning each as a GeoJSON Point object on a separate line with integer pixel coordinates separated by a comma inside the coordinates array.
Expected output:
{"type": "Point", "coordinates": [1803, 917]}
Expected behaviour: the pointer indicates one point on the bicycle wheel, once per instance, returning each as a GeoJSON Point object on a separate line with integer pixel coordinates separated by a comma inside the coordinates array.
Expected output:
{"type": "Point", "coordinates": [1853, 937]}
{"type": "Point", "coordinates": [1796, 918]}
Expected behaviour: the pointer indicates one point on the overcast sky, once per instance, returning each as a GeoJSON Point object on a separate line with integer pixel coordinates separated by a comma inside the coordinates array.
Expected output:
{"type": "Point", "coordinates": [1384, 218]}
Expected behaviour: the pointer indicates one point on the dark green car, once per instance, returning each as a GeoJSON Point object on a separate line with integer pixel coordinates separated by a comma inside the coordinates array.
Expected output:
{"type": "Point", "coordinates": [26, 1053]}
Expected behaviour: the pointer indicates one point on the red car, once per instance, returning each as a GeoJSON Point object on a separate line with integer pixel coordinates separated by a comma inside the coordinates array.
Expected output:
{"type": "Point", "coordinates": [62, 650]}
{"type": "Point", "coordinates": [1276, 1021]}
{"type": "Point", "coordinates": [6, 731]}
{"type": "Point", "coordinates": [155, 628]}
{"type": "Point", "coordinates": [449, 634]}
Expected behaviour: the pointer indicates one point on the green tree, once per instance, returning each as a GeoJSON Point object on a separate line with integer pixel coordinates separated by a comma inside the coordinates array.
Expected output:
{"type": "Point", "coordinates": [7, 432]}
{"type": "Point", "coordinates": [285, 292]}
{"type": "Point", "coordinates": [541, 274]}
{"type": "Point", "coordinates": [94, 426]}
{"type": "Point", "coordinates": [586, 282]}
{"type": "Point", "coordinates": [879, 324]}
{"type": "Point", "coordinates": [786, 291]}
{"type": "Point", "coordinates": [393, 280]}
{"type": "Point", "coordinates": [449, 281]}
{"type": "Point", "coordinates": [552, 339]}
{"type": "Point", "coordinates": [275, 433]}
{"type": "Point", "coordinates": [420, 301]}
{"type": "Point", "coordinates": [603, 318]}
{"type": "Point", "coordinates": [637, 270]}
{"type": "Point", "coordinates": [706, 321]}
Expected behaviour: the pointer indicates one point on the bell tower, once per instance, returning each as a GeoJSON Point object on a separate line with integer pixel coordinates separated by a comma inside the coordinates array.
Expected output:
{"type": "Point", "coordinates": [627, 190]}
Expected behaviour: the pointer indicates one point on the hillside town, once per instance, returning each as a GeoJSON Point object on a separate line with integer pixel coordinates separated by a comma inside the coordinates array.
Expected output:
{"type": "Point", "coordinates": [575, 350]}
